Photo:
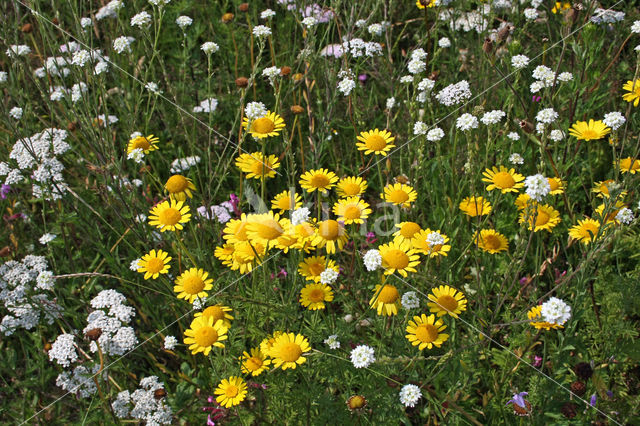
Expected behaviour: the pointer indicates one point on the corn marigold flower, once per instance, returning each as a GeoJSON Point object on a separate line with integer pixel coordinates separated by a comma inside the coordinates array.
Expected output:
{"type": "Point", "coordinates": [398, 257]}
{"type": "Point", "coordinates": [351, 210]}
{"type": "Point", "coordinates": [633, 87]}
{"type": "Point", "coordinates": [231, 391]}
{"type": "Point", "coordinates": [286, 201]}
{"type": "Point", "coordinates": [266, 227]}
{"type": "Point", "coordinates": [556, 186]}
{"type": "Point", "coordinates": [288, 349]}
{"type": "Point", "coordinates": [311, 267]}
{"type": "Point", "coordinates": [629, 165]}
{"type": "Point", "coordinates": [217, 312]}
{"type": "Point", "coordinates": [257, 166]}
{"type": "Point", "coordinates": [313, 296]}
{"type": "Point", "coordinates": [331, 235]}
{"type": "Point", "coordinates": [169, 216]}
{"type": "Point", "coordinates": [426, 332]}
{"type": "Point", "coordinates": [385, 300]}
{"type": "Point", "coordinates": [399, 194]}
{"type": "Point", "coordinates": [356, 403]}
{"type": "Point", "coordinates": [406, 231]}
{"type": "Point", "coordinates": [193, 283]}
{"type": "Point", "coordinates": [475, 206]}
{"type": "Point", "coordinates": [375, 141]}
{"type": "Point", "coordinates": [586, 231]}
{"type": "Point", "coordinates": [351, 186]}
{"type": "Point", "coordinates": [491, 241]}
{"type": "Point", "coordinates": [179, 187]}
{"type": "Point", "coordinates": [430, 243]}
{"type": "Point", "coordinates": [447, 300]}
{"type": "Point", "coordinates": [321, 180]}
{"type": "Point", "coordinates": [154, 263]}
{"type": "Point", "coordinates": [592, 130]}
{"type": "Point", "coordinates": [560, 7]}
{"type": "Point", "coordinates": [612, 214]}
{"type": "Point", "coordinates": [268, 125]}
{"type": "Point", "coordinates": [540, 218]}
{"type": "Point", "coordinates": [254, 363]}
{"type": "Point", "coordinates": [146, 143]}
{"type": "Point", "coordinates": [204, 334]}
{"type": "Point", "coordinates": [506, 180]}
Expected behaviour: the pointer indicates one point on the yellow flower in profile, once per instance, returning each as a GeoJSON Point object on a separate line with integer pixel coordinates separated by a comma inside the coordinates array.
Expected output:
{"type": "Point", "coordinates": [586, 231]}
{"type": "Point", "coordinates": [331, 235]}
{"type": "Point", "coordinates": [319, 179]}
{"type": "Point", "coordinates": [425, 3]}
{"type": "Point", "coordinates": [399, 194]}
{"type": "Point", "coordinates": [629, 165]}
{"type": "Point", "coordinates": [352, 186]}
{"type": "Point", "coordinates": [602, 188]}
{"type": "Point", "coordinates": [376, 141]}
{"type": "Point", "coordinates": [286, 201]}
{"type": "Point", "coordinates": [523, 201]}
{"type": "Point", "coordinates": [269, 125]}
{"type": "Point", "coordinates": [633, 87]}
{"type": "Point", "coordinates": [491, 241]}
{"type": "Point", "coordinates": [231, 391]}
{"type": "Point", "coordinates": [561, 7]}
{"type": "Point", "coordinates": [426, 332]}
{"type": "Point", "coordinates": [257, 166]}
{"type": "Point", "coordinates": [305, 232]}
{"type": "Point", "coordinates": [535, 314]}
{"type": "Point", "coordinates": [385, 300]}
{"type": "Point", "coordinates": [557, 186]}
{"type": "Point", "coordinates": [351, 210]}
{"type": "Point", "coordinates": [447, 300]}
{"type": "Point", "coordinates": [475, 206]}
{"type": "Point", "coordinates": [179, 187]}
{"type": "Point", "coordinates": [406, 231]}
{"type": "Point", "coordinates": [224, 253]}
{"type": "Point", "coordinates": [245, 256]}
{"type": "Point", "coordinates": [254, 363]}
{"type": "Point", "coordinates": [398, 257]}
{"type": "Point", "coordinates": [169, 216]}
{"type": "Point", "coordinates": [146, 144]}
{"type": "Point", "coordinates": [506, 180]}
{"type": "Point", "coordinates": [203, 334]}
{"type": "Point", "coordinates": [217, 312]}
{"type": "Point", "coordinates": [266, 227]}
{"type": "Point", "coordinates": [593, 130]}
{"type": "Point", "coordinates": [154, 263]}
{"type": "Point", "coordinates": [288, 240]}
{"type": "Point", "coordinates": [311, 267]}
{"type": "Point", "coordinates": [193, 284]}
{"type": "Point", "coordinates": [546, 218]}
{"type": "Point", "coordinates": [613, 211]}
{"type": "Point", "coordinates": [288, 349]}
{"type": "Point", "coordinates": [313, 296]}
{"type": "Point", "coordinates": [430, 243]}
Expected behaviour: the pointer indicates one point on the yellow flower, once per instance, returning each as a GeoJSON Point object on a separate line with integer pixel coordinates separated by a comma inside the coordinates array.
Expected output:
{"type": "Point", "coordinates": [523, 201]}
{"type": "Point", "coordinates": [426, 332]}
{"type": "Point", "coordinates": [330, 234]}
{"type": "Point", "coordinates": [557, 186]}
{"type": "Point", "coordinates": [425, 3]}
{"type": "Point", "coordinates": [535, 314]}
{"type": "Point", "coordinates": [288, 349]}
{"type": "Point", "coordinates": [266, 227]}
{"type": "Point", "coordinates": [245, 255]}
{"type": "Point", "coordinates": [267, 344]}
{"type": "Point", "coordinates": [586, 231]}
{"type": "Point", "coordinates": [351, 186]}
{"type": "Point", "coordinates": [546, 218]}
{"type": "Point", "coordinates": [169, 216]}
{"type": "Point", "coordinates": [561, 7]}
{"type": "Point", "coordinates": [224, 253]}
{"type": "Point", "coordinates": [629, 165]}
{"type": "Point", "coordinates": [286, 201]}
{"type": "Point", "coordinates": [593, 130]}
{"type": "Point", "coordinates": [179, 187]}
{"type": "Point", "coordinates": [506, 180]}
{"type": "Point", "coordinates": [406, 231]}
{"type": "Point", "coordinates": [311, 267]}
{"type": "Point", "coordinates": [254, 363]}
{"type": "Point", "coordinates": [491, 241]}
{"type": "Point", "coordinates": [613, 211]}
{"type": "Point", "coordinates": [320, 179]}
{"type": "Point", "coordinates": [217, 312]}
{"type": "Point", "coordinates": [633, 87]}
{"type": "Point", "coordinates": [421, 244]}
{"type": "Point", "coordinates": [192, 284]}
{"type": "Point", "coordinates": [447, 300]}
{"type": "Point", "coordinates": [231, 391]}
{"type": "Point", "coordinates": [475, 206]}
{"type": "Point", "coordinates": [269, 125]}
{"type": "Point", "coordinates": [351, 210]}
{"type": "Point", "coordinates": [398, 257]}
{"type": "Point", "coordinates": [257, 166]}
{"type": "Point", "coordinates": [154, 263]}
{"type": "Point", "coordinates": [385, 300]}
{"type": "Point", "coordinates": [203, 334]}
{"type": "Point", "coordinates": [235, 231]}
{"type": "Point", "coordinates": [399, 194]}
{"type": "Point", "coordinates": [376, 141]}
{"type": "Point", "coordinates": [602, 188]}
{"type": "Point", "coordinates": [313, 296]}
{"type": "Point", "coordinates": [146, 144]}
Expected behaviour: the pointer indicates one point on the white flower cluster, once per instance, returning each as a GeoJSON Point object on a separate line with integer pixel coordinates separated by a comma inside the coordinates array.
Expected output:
{"type": "Point", "coordinates": [170, 342]}
{"type": "Point", "coordinates": [424, 87]}
{"type": "Point", "coordinates": [22, 287]}
{"type": "Point", "coordinates": [362, 356]}
{"type": "Point", "coordinates": [614, 119]}
{"type": "Point", "coordinates": [531, 14]}
{"type": "Point", "coordinates": [261, 31]}
{"type": "Point", "coordinates": [417, 62]}
{"type": "Point", "coordinates": [184, 22]}
{"type": "Point", "coordinates": [372, 260]}
{"type": "Point", "coordinates": [635, 27]}
{"type": "Point", "coordinates": [420, 128]}
{"type": "Point", "coordinates": [123, 44]}
{"type": "Point", "coordinates": [221, 212]}
{"type": "Point", "coordinates": [271, 73]}
{"type": "Point", "coordinates": [141, 20]}
{"type": "Point", "coordinates": [546, 116]}
{"type": "Point", "coordinates": [545, 78]}
{"type": "Point", "coordinates": [346, 85]}
{"type": "Point", "coordinates": [16, 50]}
{"type": "Point", "coordinates": [146, 407]}
{"type": "Point", "coordinates": [208, 105]}
{"type": "Point", "coordinates": [328, 276]}
{"type": "Point", "coordinates": [435, 134]}
{"type": "Point", "coordinates": [267, 14]}
{"type": "Point", "coordinates": [625, 215]}
{"type": "Point", "coordinates": [444, 42]}
{"type": "Point", "coordinates": [356, 47]}
{"type": "Point", "coordinates": [537, 187]}
{"type": "Point", "coordinates": [16, 113]}
{"type": "Point", "coordinates": [111, 316]}
{"type": "Point", "coordinates": [410, 395]}
{"type": "Point", "coordinates": [555, 311]}
{"type": "Point", "coordinates": [607, 16]}
{"type": "Point", "coordinates": [209, 47]}
{"type": "Point", "coordinates": [332, 341]}
{"type": "Point", "coordinates": [81, 381]}
{"type": "Point", "coordinates": [180, 165]}
{"type": "Point", "coordinates": [467, 122]}
{"type": "Point", "coordinates": [475, 20]}
{"type": "Point", "coordinates": [493, 117]}
{"type": "Point", "coordinates": [454, 94]}
{"type": "Point", "coordinates": [309, 22]}
{"type": "Point", "coordinates": [63, 350]}
{"type": "Point", "coordinates": [410, 300]}
{"type": "Point", "coordinates": [255, 110]}
{"type": "Point", "coordinates": [110, 10]}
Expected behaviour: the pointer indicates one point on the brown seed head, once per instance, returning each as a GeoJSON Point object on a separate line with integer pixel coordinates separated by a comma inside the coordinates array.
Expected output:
{"type": "Point", "coordinates": [297, 109]}
{"type": "Point", "coordinates": [26, 28]}
{"type": "Point", "coordinates": [242, 82]}
{"type": "Point", "coordinates": [284, 71]}
{"type": "Point", "coordinates": [569, 410]}
{"type": "Point", "coordinates": [526, 126]}
{"type": "Point", "coordinates": [579, 388]}
{"type": "Point", "coordinates": [5, 251]}
{"type": "Point", "coordinates": [244, 7]}
{"type": "Point", "coordinates": [227, 17]}
{"type": "Point", "coordinates": [159, 393]}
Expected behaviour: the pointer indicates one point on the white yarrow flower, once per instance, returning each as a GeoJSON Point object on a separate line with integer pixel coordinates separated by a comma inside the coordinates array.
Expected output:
{"type": "Point", "coordinates": [47, 238]}
{"type": "Point", "coordinates": [16, 113]}
{"type": "Point", "coordinates": [184, 22]}
{"type": "Point", "coordinates": [136, 155]}
{"type": "Point", "coordinates": [625, 215]}
{"type": "Point", "coordinates": [332, 341]}
{"type": "Point", "coordinates": [299, 216]}
{"type": "Point", "coordinates": [467, 122]}
{"type": "Point", "coordinates": [435, 134]}
{"type": "Point", "coordinates": [328, 276]}
{"type": "Point", "coordinates": [362, 356]}
{"type": "Point", "coordinates": [614, 119]}
{"type": "Point", "coordinates": [209, 47]}
{"type": "Point", "coordinates": [555, 311]}
{"type": "Point", "coordinates": [261, 31]}
{"type": "Point", "coordinates": [410, 300]}
{"type": "Point", "coordinates": [372, 260]}
{"type": "Point", "coordinates": [519, 61]}
{"type": "Point", "coordinates": [537, 187]}
{"type": "Point", "coordinates": [410, 395]}
{"type": "Point", "coordinates": [170, 342]}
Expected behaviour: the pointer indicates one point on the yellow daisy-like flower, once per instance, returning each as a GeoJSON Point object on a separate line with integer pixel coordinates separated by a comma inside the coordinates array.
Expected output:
{"type": "Point", "coordinates": [288, 240]}
{"type": "Point", "coordinates": [406, 231]}
{"type": "Point", "coordinates": [586, 231]}
{"type": "Point", "coordinates": [204, 333]}
{"type": "Point", "coordinates": [385, 300]}
{"type": "Point", "coordinates": [633, 87]}
{"type": "Point", "coordinates": [169, 216]}
{"type": "Point", "coordinates": [351, 210]}
{"type": "Point", "coordinates": [593, 130]}
{"type": "Point", "coordinates": [376, 141]}
{"type": "Point", "coordinates": [245, 256]}
{"type": "Point", "coordinates": [557, 186]}
{"type": "Point", "coordinates": [320, 179]}
{"type": "Point", "coordinates": [267, 343]}
{"type": "Point", "coordinates": [311, 267]}
{"type": "Point", "coordinates": [602, 188]}
{"type": "Point", "coordinates": [351, 186]}
{"type": "Point", "coordinates": [224, 253]}
{"type": "Point", "coordinates": [523, 201]}
{"type": "Point", "coordinates": [305, 233]}
{"type": "Point", "coordinates": [192, 284]}
{"type": "Point", "coordinates": [629, 165]}
{"type": "Point", "coordinates": [257, 166]}
{"type": "Point", "coordinates": [613, 212]}
{"type": "Point", "coordinates": [288, 349]}
{"type": "Point", "coordinates": [269, 125]}
{"type": "Point", "coordinates": [447, 300]}
{"type": "Point", "coordinates": [266, 227]}
{"type": "Point", "coordinates": [231, 391]}
{"type": "Point", "coordinates": [535, 314]}
{"type": "Point", "coordinates": [330, 234]}
{"type": "Point", "coordinates": [425, 3]}
{"type": "Point", "coordinates": [546, 218]}
{"type": "Point", "coordinates": [420, 242]}
{"type": "Point", "coordinates": [426, 332]}
{"type": "Point", "coordinates": [154, 263]}
{"type": "Point", "coordinates": [399, 194]}
{"type": "Point", "coordinates": [146, 144]}
{"type": "Point", "coordinates": [254, 363]}
{"type": "Point", "coordinates": [561, 7]}
{"type": "Point", "coordinates": [475, 206]}
{"type": "Point", "coordinates": [217, 312]}
{"type": "Point", "coordinates": [313, 296]}
{"type": "Point", "coordinates": [491, 241]}
{"type": "Point", "coordinates": [398, 257]}
{"type": "Point", "coordinates": [506, 180]}
{"type": "Point", "coordinates": [286, 201]}
{"type": "Point", "coordinates": [179, 187]}
{"type": "Point", "coordinates": [235, 231]}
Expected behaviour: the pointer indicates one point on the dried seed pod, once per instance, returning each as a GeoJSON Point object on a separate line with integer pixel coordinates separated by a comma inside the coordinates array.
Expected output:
{"type": "Point", "coordinates": [242, 82]}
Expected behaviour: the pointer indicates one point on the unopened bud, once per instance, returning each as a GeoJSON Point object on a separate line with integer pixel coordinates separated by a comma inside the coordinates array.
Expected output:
{"type": "Point", "coordinates": [26, 28]}
{"type": "Point", "coordinates": [244, 7]}
{"type": "Point", "coordinates": [227, 17]}
{"type": "Point", "coordinates": [242, 82]}
{"type": "Point", "coordinates": [297, 109]}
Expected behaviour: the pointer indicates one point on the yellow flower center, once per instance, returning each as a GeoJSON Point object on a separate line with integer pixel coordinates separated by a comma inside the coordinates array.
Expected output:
{"type": "Point", "coordinates": [142, 143]}
{"type": "Point", "coordinates": [215, 312]}
{"type": "Point", "coordinates": [231, 391]}
{"type": "Point", "coordinates": [492, 242]}
{"type": "Point", "coordinates": [259, 168]}
{"type": "Point", "coordinates": [375, 143]}
{"type": "Point", "coordinates": [316, 268]}
{"type": "Point", "coordinates": [193, 284]}
{"type": "Point", "coordinates": [398, 196]}
{"type": "Point", "coordinates": [542, 218]}
{"type": "Point", "coordinates": [316, 295]}
{"type": "Point", "coordinates": [351, 189]}
{"type": "Point", "coordinates": [263, 125]}
{"type": "Point", "coordinates": [589, 230]}
{"type": "Point", "coordinates": [553, 184]}
{"type": "Point", "coordinates": [329, 230]}
{"type": "Point", "coordinates": [253, 363]}
{"type": "Point", "coordinates": [284, 203]}
{"type": "Point", "coordinates": [503, 180]}
{"type": "Point", "coordinates": [426, 333]}
{"type": "Point", "coordinates": [396, 259]}
{"type": "Point", "coordinates": [448, 303]}
{"type": "Point", "coordinates": [205, 336]}
{"type": "Point", "coordinates": [169, 216]}
{"type": "Point", "coordinates": [589, 134]}
{"type": "Point", "coordinates": [388, 294]}
{"type": "Point", "coordinates": [176, 183]}
{"type": "Point", "coordinates": [319, 181]}
{"type": "Point", "coordinates": [356, 402]}
{"type": "Point", "coordinates": [408, 229]}
{"type": "Point", "coordinates": [155, 265]}
{"type": "Point", "coordinates": [352, 212]}
{"type": "Point", "coordinates": [269, 229]}
{"type": "Point", "coordinates": [290, 352]}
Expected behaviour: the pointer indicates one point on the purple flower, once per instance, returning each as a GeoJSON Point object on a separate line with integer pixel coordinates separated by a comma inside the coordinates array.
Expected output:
{"type": "Point", "coordinates": [592, 402]}
{"type": "Point", "coordinates": [371, 238]}
{"type": "Point", "coordinates": [518, 399]}
{"type": "Point", "coordinates": [4, 190]}
{"type": "Point", "coordinates": [610, 394]}
{"type": "Point", "coordinates": [535, 98]}
{"type": "Point", "coordinates": [363, 78]}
